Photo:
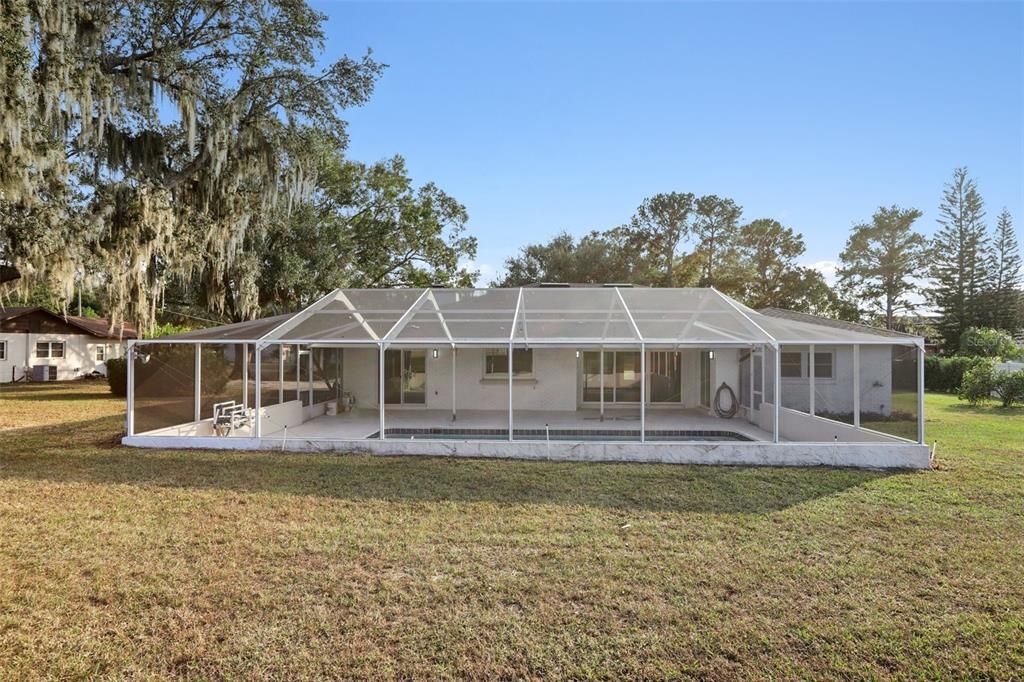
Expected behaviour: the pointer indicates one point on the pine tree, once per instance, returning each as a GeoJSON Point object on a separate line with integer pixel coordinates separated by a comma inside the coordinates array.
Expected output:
{"type": "Point", "coordinates": [1003, 298]}
{"type": "Point", "coordinates": [960, 259]}
{"type": "Point", "coordinates": [880, 262]}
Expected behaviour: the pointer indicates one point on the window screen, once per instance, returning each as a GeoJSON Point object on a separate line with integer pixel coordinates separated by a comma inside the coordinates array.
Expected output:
{"type": "Point", "coordinates": [792, 365]}
{"type": "Point", "coordinates": [496, 362]}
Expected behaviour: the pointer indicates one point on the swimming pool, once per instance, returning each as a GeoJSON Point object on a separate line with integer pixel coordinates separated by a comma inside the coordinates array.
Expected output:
{"type": "Point", "coordinates": [441, 433]}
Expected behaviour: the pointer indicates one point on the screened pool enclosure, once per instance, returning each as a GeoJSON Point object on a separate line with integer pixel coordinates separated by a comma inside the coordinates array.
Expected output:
{"type": "Point", "coordinates": [575, 372]}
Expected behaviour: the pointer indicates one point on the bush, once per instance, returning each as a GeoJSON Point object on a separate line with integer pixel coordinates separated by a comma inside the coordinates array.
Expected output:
{"type": "Point", "coordinates": [945, 375]}
{"type": "Point", "coordinates": [170, 372]}
{"type": "Point", "coordinates": [978, 384]}
{"type": "Point", "coordinates": [1009, 387]}
{"type": "Point", "coordinates": [117, 376]}
{"type": "Point", "coordinates": [988, 343]}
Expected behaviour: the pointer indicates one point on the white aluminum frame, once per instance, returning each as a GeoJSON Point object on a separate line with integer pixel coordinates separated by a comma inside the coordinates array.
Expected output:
{"type": "Point", "coordinates": [515, 340]}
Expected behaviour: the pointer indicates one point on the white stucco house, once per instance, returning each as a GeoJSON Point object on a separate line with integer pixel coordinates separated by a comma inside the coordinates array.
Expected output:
{"type": "Point", "coordinates": [596, 373]}
{"type": "Point", "coordinates": [47, 346]}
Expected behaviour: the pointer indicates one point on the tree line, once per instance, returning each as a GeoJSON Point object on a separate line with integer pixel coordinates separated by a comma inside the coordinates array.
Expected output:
{"type": "Point", "coordinates": [187, 155]}
{"type": "Point", "coordinates": [968, 274]}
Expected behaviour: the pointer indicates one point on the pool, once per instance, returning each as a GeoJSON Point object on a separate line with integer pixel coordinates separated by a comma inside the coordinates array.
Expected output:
{"type": "Point", "coordinates": [442, 433]}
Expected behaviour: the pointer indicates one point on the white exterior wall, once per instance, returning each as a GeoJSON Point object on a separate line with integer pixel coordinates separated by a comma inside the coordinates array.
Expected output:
{"type": "Point", "coordinates": [79, 354]}
{"type": "Point", "coordinates": [835, 395]}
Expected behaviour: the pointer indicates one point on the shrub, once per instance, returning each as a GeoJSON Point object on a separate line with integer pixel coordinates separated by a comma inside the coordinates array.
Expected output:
{"type": "Point", "coordinates": [978, 384]}
{"type": "Point", "coordinates": [1009, 387]}
{"type": "Point", "coordinates": [945, 375]}
{"type": "Point", "coordinates": [170, 372]}
{"type": "Point", "coordinates": [117, 376]}
{"type": "Point", "coordinates": [988, 343]}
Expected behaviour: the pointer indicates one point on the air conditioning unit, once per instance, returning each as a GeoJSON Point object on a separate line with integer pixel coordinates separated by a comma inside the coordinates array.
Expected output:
{"type": "Point", "coordinates": [44, 372]}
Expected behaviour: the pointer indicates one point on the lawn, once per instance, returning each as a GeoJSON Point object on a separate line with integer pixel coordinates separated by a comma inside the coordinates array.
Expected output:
{"type": "Point", "coordinates": [127, 563]}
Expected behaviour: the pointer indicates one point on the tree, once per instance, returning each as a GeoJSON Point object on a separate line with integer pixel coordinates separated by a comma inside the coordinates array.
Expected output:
{"type": "Point", "coordinates": [769, 252]}
{"type": "Point", "coordinates": [988, 343]}
{"type": "Point", "coordinates": [596, 258]}
{"type": "Point", "coordinates": [97, 173]}
{"type": "Point", "coordinates": [1003, 300]}
{"type": "Point", "coordinates": [714, 226]}
{"type": "Point", "coordinates": [959, 259]}
{"type": "Point", "coordinates": [880, 260]}
{"type": "Point", "coordinates": [660, 225]}
{"type": "Point", "coordinates": [364, 227]}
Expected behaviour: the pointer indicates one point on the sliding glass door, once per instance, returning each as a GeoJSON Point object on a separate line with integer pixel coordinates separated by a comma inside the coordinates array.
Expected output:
{"type": "Point", "coordinates": [405, 377]}
{"type": "Point", "coordinates": [622, 377]}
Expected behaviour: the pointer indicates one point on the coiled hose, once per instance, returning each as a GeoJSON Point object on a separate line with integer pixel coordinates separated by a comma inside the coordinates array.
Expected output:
{"type": "Point", "coordinates": [730, 412]}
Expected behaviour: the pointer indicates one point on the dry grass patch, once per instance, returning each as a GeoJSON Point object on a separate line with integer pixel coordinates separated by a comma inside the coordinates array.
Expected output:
{"type": "Point", "coordinates": [120, 562]}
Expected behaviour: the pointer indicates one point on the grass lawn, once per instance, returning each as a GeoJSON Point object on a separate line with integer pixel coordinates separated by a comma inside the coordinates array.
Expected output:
{"type": "Point", "coordinates": [129, 563]}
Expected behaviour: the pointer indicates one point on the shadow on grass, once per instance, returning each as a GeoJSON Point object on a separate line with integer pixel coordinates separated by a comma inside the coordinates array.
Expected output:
{"type": "Point", "coordinates": [84, 452]}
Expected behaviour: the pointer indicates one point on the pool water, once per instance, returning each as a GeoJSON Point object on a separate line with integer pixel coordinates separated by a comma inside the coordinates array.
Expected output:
{"type": "Point", "coordinates": [604, 435]}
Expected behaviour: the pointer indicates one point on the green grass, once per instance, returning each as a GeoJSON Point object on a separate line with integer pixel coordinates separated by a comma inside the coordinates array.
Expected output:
{"type": "Point", "coordinates": [149, 564]}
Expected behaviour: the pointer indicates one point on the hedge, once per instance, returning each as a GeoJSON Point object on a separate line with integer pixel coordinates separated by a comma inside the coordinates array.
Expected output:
{"type": "Point", "coordinates": [946, 375]}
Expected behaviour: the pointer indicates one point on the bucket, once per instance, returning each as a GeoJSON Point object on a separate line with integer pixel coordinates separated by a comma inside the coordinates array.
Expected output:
{"type": "Point", "coordinates": [332, 407]}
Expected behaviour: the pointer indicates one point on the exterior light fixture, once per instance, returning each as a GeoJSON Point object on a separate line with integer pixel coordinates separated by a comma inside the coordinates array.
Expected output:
{"type": "Point", "coordinates": [435, 354]}
{"type": "Point", "coordinates": [711, 355]}
{"type": "Point", "coordinates": [577, 355]}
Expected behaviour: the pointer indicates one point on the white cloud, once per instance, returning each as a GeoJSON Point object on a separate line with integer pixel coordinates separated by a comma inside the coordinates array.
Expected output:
{"type": "Point", "coordinates": [827, 268]}
{"type": "Point", "coordinates": [486, 271]}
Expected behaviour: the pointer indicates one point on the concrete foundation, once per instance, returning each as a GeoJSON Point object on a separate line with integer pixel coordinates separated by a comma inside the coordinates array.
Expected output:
{"type": "Point", "coordinates": [866, 455]}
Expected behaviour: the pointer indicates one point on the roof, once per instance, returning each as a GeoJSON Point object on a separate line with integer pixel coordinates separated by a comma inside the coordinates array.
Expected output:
{"type": "Point", "coordinates": [533, 316]}
{"type": "Point", "coordinates": [829, 322]}
{"type": "Point", "coordinates": [92, 326]}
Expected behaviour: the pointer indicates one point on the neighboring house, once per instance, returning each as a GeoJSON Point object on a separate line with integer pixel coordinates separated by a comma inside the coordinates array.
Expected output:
{"type": "Point", "coordinates": [609, 372]}
{"type": "Point", "coordinates": [75, 346]}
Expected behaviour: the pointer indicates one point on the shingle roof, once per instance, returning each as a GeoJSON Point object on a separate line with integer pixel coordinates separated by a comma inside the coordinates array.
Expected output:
{"type": "Point", "coordinates": [829, 322]}
{"type": "Point", "coordinates": [92, 326]}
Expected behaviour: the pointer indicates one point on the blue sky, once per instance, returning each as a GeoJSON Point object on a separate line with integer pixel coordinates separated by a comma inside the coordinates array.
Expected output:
{"type": "Point", "coordinates": [542, 117]}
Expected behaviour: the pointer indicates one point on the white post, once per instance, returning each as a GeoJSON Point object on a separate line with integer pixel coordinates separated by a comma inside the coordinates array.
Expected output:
{"type": "Point", "coordinates": [778, 393]}
{"type": "Point", "coordinates": [763, 377]}
{"type": "Point", "coordinates": [309, 363]}
{"type": "Point", "coordinates": [920, 394]}
{"type": "Point", "coordinates": [131, 389]}
{"type": "Point", "coordinates": [380, 387]}
{"type": "Point", "coordinates": [643, 390]}
{"type": "Point", "coordinates": [198, 406]}
{"type": "Point", "coordinates": [280, 373]}
{"type": "Point", "coordinates": [750, 398]}
{"type": "Point", "coordinates": [510, 422]}
{"type": "Point", "coordinates": [856, 385]}
{"type": "Point", "coordinates": [810, 377]}
{"type": "Point", "coordinates": [298, 372]}
{"type": "Point", "coordinates": [245, 376]}
{"type": "Point", "coordinates": [257, 397]}
{"type": "Point", "coordinates": [601, 351]}
{"type": "Point", "coordinates": [454, 415]}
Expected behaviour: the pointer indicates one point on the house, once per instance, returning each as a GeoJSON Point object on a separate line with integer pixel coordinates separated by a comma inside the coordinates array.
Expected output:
{"type": "Point", "coordinates": [68, 346]}
{"type": "Point", "coordinates": [596, 373]}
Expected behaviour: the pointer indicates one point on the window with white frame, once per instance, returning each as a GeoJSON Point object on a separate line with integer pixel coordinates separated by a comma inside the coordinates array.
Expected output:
{"type": "Point", "coordinates": [101, 353]}
{"type": "Point", "coordinates": [796, 365]}
{"type": "Point", "coordinates": [49, 349]}
{"type": "Point", "coordinates": [792, 366]}
{"type": "Point", "coordinates": [496, 363]}
{"type": "Point", "coordinates": [3, 350]}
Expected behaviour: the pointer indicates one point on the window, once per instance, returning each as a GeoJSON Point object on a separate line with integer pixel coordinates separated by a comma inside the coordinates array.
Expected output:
{"type": "Point", "coordinates": [792, 365]}
{"type": "Point", "coordinates": [50, 349]}
{"type": "Point", "coordinates": [3, 350]}
{"type": "Point", "coordinates": [822, 365]}
{"type": "Point", "coordinates": [101, 353]}
{"type": "Point", "coordinates": [796, 365]}
{"type": "Point", "coordinates": [496, 362]}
